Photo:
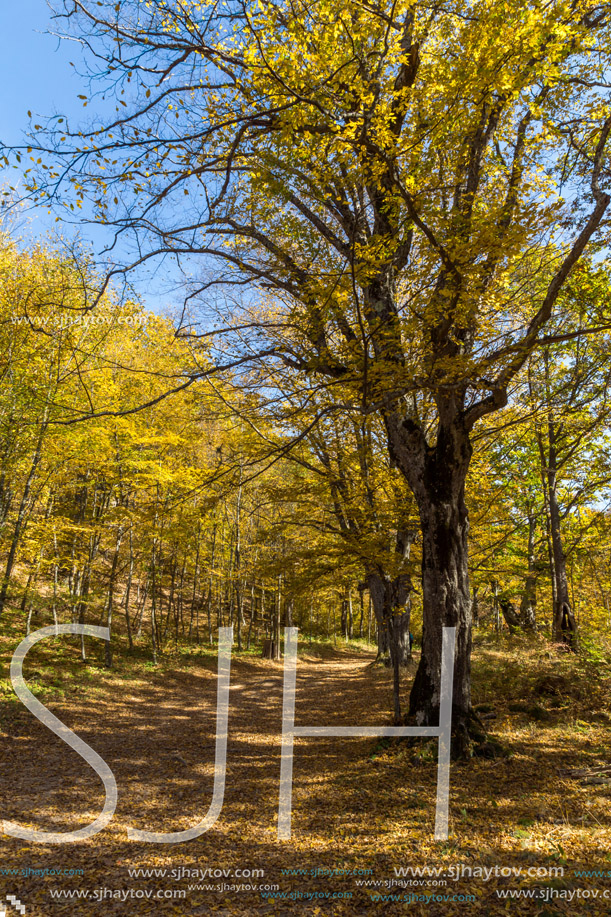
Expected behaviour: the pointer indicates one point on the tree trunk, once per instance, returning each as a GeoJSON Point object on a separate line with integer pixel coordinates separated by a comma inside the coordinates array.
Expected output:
{"type": "Point", "coordinates": [475, 606]}
{"type": "Point", "coordinates": [565, 625]}
{"type": "Point", "coordinates": [512, 619]}
{"type": "Point", "coordinates": [22, 514]}
{"type": "Point", "coordinates": [111, 598]}
{"type": "Point", "coordinates": [390, 599]}
{"type": "Point", "coordinates": [528, 603]}
{"type": "Point", "coordinates": [289, 607]}
{"type": "Point", "coordinates": [564, 629]}
{"type": "Point", "coordinates": [209, 596]}
{"type": "Point", "coordinates": [386, 597]}
{"type": "Point", "coordinates": [362, 608]}
{"type": "Point", "coordinates": [253, 613]}
{"type": "Point", "coordinates": [154, 602]}
{"type": "Point", "coordinates": [445, 587]}
{"type": "Point", "coordinates": [398, 632]}
{"type": "Point", "coordinates": [238, 560]}
{"type": "Point", "coordinates": [128, 590]}
{"type": "Point", "coordinates": [276, 620]}
{"type": "Point", "coordinates": [496, 609]}
{"type": "Point", "coordinates": [343, 624]}
{"type": "Point", "coordinates": [383, 641]}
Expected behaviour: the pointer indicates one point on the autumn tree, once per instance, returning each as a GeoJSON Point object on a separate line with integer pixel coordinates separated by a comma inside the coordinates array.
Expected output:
{"type": "Point", "coordinates": [414, 184]}
{"type": "Point", "coordinates": [568, 394]}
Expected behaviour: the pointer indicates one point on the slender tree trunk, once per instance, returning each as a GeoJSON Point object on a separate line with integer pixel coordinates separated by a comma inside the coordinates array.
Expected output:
{"type": "Point", "coordinates": [81, 608]}
{"type": "Point", "coordinates": [55, 577]}
{"type": "Point", "coordinates": [496, 608]}
{"type": "Point", "coordinates": [21, 515]}
{"type": "Point", "coordinates": [180, 621]}
{"type": "Point", "coordinates": [263, 619]}
{"type": "Point", "coordinates": [195, 585]}
{"type": "Point", "coordinates": [310, 619]}
{"type": "Point", "coordinates": [128, 590]}
{"type": "Point", "coordinates": [362, 608]}
{"type": "Point", "coordinates": [289, 605]}
{"type": "Point", "coordinates": [475, 606]}
{"type": "Point", "coordinates": [565, 625]}
{"type": "Point", "coordinates": [238, 561]}
{"type": "Point", "coordinates": [141, 605]}
{"type": "Point", "coordinates": [253, 613]}
{"type": "Point", "coordinates": [154, 602]}
{"type": "Point", "coordinates": [170, 598]}
{"type": "Point", "coordinates": [528, 603]}
{"type": "Point", "coordinates": [276, 626]}
{"type": "Point", "coordinates": [111, 597]}
{"type": "Point", "coordinates": [394, 631]}
{"type": "Point", "coordinates": [343, 621]}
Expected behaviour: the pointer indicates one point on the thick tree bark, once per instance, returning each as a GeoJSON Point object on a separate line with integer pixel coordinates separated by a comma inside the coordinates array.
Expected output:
{"type": "Point", "coordinates": [512, 619]}
{"type": "Point", "coordinates": [390, 600]}
{"type": "Point", "coordinates": [446, 603]}
{"type": "Point", "coordinates": [436, 474]}
{"type": "Point", "coordinates": [383, 641]}
{"type": "Point", "coordinates": [386, 597]}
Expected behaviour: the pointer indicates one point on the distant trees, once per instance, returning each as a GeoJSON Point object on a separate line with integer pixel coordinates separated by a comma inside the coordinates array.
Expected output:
{"type": "Point", "coordinates": [156, 522]}
{"type": "Point", "coordinates": [394, 178]}
{"type": "Point", "coordinates": [541, 476]}
{"type": "Point", "coordinates": [165, 518]}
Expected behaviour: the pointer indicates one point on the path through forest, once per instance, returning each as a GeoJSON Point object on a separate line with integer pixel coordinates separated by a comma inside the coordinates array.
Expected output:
{"type": "Point", "coordinates": [356, 806]}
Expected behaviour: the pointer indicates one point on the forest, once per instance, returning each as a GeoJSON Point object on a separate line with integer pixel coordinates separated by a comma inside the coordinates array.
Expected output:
{"type": "Point", "coordinates": [340, 363]}
{"type": "Point", "coordinates": [167, 516]}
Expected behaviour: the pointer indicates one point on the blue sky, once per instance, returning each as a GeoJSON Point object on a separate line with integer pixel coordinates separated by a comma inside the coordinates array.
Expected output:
{"type": "Point", "coordinates": [36, 76]}
{"type": "Point", "coordinates": [35, 71]}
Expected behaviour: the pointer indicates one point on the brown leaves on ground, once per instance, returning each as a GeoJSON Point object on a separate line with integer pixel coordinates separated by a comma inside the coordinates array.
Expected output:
{"type": "Point", "coordinates": [357, 804]}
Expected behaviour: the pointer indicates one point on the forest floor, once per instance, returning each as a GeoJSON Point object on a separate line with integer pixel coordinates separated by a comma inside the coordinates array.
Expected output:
{"type": "Point", "coordinates": [362, 808]}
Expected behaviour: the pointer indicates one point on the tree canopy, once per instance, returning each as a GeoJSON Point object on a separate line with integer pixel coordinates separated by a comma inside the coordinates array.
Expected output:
{"type": "Point", "coordinates": [391, 197]}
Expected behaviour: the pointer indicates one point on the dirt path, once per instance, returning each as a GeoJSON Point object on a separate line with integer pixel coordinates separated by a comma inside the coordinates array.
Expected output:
{"type": "Point", "coordinates": [356, 808]}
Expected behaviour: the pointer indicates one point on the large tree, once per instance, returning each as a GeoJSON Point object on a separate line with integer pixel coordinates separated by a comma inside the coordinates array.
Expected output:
{"type": "Point", "coordinates": [413, 183]}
